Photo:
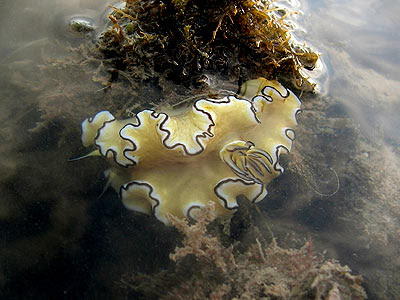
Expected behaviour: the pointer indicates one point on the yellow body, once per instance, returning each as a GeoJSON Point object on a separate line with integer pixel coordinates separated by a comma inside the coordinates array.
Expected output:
{"type": "Point", "coordinates": [217, 150]}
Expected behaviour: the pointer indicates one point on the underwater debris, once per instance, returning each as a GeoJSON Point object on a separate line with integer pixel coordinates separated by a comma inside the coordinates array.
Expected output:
{"type": "Point", "coordinates": [82, 25]}
{"type": "Point", "coordinates": [180, 39]}
{"type": "Point", "coordinates": [205, 269]}
{"type": "Point", "coordinates": [216, 150]}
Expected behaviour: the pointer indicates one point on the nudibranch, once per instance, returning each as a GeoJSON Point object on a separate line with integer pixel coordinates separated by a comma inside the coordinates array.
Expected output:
{"type": "Point", "coordinates": [216, 151]}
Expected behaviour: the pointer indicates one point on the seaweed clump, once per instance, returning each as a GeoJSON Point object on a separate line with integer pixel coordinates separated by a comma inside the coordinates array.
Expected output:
{"type": "Point", "coordinates": [205, 269]}
{"type": "Point", "coordinates": [182, 39]}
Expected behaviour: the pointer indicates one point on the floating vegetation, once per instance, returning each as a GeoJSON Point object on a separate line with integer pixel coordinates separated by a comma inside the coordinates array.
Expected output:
{"type": "Point", "coordinates": [181, 39]}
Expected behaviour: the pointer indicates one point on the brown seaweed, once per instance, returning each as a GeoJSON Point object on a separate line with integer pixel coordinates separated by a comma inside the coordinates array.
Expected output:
{"type": "Point", "coordinates": [181, 39]}
{"type": "Point", "coordinates": [205, 269]}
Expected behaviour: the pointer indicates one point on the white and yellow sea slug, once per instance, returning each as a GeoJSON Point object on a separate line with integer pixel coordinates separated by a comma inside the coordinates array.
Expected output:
{"type": "Point", "coordinates": [216, 150]}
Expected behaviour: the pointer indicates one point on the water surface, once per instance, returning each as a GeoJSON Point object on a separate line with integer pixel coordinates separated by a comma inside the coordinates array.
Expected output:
{"type": "Point", "coordinates": [58, 240]}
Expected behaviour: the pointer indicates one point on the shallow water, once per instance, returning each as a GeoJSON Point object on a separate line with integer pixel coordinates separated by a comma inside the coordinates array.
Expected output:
{"type": "Point", "coordinates": [59, 241]}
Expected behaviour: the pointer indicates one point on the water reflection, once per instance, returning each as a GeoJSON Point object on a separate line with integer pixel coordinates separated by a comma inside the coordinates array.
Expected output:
{"type": "Point", "coordinates": [361, 47]}
{"type": "Point", "coordinates": [53, 227]}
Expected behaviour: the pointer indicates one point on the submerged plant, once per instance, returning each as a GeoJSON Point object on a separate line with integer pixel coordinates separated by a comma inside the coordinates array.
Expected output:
{"type": "Point", "coordinates": [205, 269]}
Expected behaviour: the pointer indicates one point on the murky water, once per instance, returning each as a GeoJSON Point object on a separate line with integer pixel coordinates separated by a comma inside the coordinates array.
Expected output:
{"type": "Point", "coordinates": [57, 240]}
